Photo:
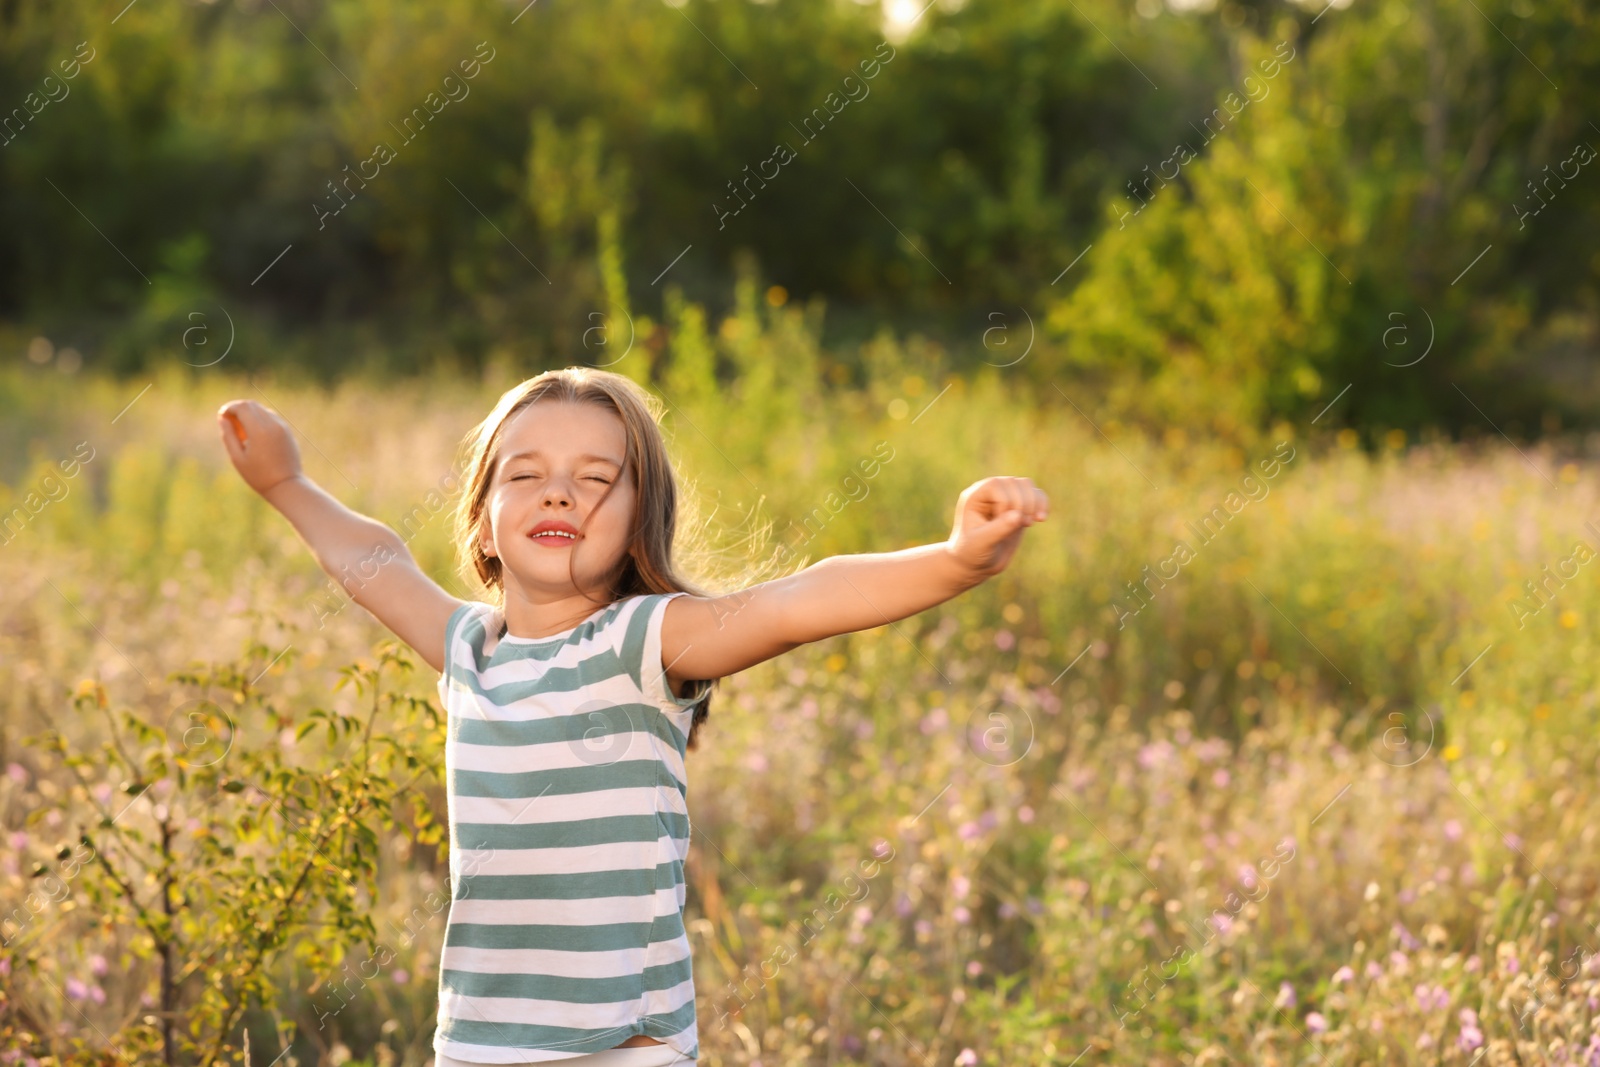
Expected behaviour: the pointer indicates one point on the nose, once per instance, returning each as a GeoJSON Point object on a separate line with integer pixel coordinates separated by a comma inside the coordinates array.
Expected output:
{"type": "Point", "coordinates": [556, 494]}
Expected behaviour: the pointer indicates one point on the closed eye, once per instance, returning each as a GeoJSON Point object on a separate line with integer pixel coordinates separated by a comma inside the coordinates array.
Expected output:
{"type": "Point", "coordinates": [590, 478]}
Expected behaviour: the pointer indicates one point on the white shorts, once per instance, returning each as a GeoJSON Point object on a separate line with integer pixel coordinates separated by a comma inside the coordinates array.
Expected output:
{"type": "Point", "coordinates": [636, 1056]}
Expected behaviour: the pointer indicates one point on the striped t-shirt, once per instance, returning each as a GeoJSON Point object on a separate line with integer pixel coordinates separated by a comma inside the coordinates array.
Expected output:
{"type": "Point", "coordinates": [564, 762]}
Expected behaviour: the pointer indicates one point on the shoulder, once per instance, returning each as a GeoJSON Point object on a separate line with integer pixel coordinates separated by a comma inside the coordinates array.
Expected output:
{"type": "Point", "coordinates": [469, 616]}
{"type": "Point", "coordinates": [637, 619]}
{"type": "Point", "coordinates": [467, 627]}
{"type": "Point", "coordinates": [640, 647]}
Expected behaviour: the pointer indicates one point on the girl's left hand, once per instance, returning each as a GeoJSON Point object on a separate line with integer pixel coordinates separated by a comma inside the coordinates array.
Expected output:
{"type": "Point", "coordinates": [990, 517]}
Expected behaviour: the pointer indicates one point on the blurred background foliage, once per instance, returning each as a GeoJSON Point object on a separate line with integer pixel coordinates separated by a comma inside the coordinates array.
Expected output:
{"type": "Point", "coordinates": [1000, 142]}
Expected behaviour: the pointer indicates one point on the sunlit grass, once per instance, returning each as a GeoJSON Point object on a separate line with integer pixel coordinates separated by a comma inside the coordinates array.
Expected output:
{"type": "Point", "coordinates": [1328, 797]}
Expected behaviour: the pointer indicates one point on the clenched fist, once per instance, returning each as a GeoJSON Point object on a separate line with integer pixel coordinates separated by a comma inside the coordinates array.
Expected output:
{"type": "Point", "coordinates": [259, 443]}
{"type": "Point", "coordinates": [990, 517]}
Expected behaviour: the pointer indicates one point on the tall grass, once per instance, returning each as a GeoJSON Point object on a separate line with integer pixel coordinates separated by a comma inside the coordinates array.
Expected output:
{"type": "Point", "coordinates": [1327, 797]}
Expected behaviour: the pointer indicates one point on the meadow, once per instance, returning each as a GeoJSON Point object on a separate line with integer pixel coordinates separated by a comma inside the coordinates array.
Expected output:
{"type": "Point", "coordinates": [1328, 796]}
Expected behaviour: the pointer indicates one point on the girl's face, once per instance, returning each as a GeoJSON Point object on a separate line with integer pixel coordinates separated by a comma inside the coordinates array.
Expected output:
{"type": "Point", "coordinates": [556, 461]}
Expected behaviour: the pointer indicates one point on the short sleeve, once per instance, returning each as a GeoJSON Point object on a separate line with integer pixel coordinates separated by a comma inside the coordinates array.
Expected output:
{"type": "Point", "coordinates": [452, 627]}
{"type": "Point", "coordinates": [653, 673]}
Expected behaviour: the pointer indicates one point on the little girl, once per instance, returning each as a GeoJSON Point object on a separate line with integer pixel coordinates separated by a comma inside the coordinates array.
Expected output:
{"type": "Point", "coordinates": [573, 694]}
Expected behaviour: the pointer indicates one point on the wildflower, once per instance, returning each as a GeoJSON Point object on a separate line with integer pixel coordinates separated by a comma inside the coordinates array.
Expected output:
{"type": "Point", "coordinates": [1247, 876]}
{"type": "Point", "coordinates": [19, 840]}
{"type": "Point", "coordinates": [850, 1043]}
{"type": "Point", "coordinates": [1025, 814]}
{"type": "Point", "coordinates": [756, 762]}
{"type": "Point", "coordinates": [1452, 830]}
{"type": "Point", "coordinates": [1432, 998]}
{"type": "Point", "coordinates": [400, 975]}
{"type": "Point", "coordinates": [863, 915]}
{"type": "Point", "coordinates": [1399, 962]}
{"type": "Point", "coordinates": [1316, 1023]}
{"type": "Point", "coordinates": [1407, 939]}
{"type": "Point", "coordinates": [902, 905]}
{"type": "Point", "coordinates": [1342, 975]}
{"type": "Point", "coordinates": [1471, 1034]}
{"type": "Point", "coordinates": [1374, 969]}
{"type": "Point", "coordinates": [1008, 910]}
{"type": "Point", "coordinates": [961, 886]}
{"type": "Point", "coordinates": [1155, 754]}
{"type": "Point", "coordinates": [934, 721]}
{"type": "Point", "coordinates": [17, 773]}
{"type": "Point", "coordinates": [97, 964]}
{"type": "Point", "coordinates": [76, 990]}
{"type": "Point", "coordinates": [962, 916]}
{"type": "Point", "coordinates": [1286, 998]}
{"type": "Point", "coordinates": [967, 1058]}
{"type": "Point", "coordinates": [1004, 640]}
{"type": "Point", "coordinates": [97, 994]}
{"type": "Point", "coordinates": [1472, 964]}
{"type": "Point", "coordinates": [1222, 923]}
{"type": "Point", "coordinates": [974, 968]}
{"type": "Point", "coordinates": [1425, 1041]}
{"type": "Point", "coordinates": [1513, 842]}
{"type": "Point", "coordinates": [969, 831]}
{"type": "Point", "coordinates": [1220, 778]}
{"type": "Point", "coordinates": [924, 928]}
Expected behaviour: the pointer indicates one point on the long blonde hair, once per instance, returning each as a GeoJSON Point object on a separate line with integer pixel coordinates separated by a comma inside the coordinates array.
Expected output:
{"type": "Point", "coordinates": [646, 566]}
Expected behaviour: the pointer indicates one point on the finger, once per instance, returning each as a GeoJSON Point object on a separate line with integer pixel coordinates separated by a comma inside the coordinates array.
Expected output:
{"type": "Point", "coordinates": [987, 500]}
{"type": "Point", "coordinates": [238, 426]}
{"type": "Point", "coordinates": [236, 413]}
{"type": "Point", "coordinates": [1041, 503]}
{"type": "Point", "coordinates": [1014, 502]}
{"type": "Point", "coordinates": [230, 439]}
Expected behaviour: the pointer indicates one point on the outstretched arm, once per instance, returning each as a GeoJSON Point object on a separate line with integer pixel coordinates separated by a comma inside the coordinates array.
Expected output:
{"type": "Point", "coordinates": [713, 637]}
{"type": "Point", "coordinates": [368, 559]}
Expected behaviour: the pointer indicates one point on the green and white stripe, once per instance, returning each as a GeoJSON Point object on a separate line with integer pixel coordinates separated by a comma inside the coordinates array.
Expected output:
{"type": "Point", "coordinates": [569, 828]}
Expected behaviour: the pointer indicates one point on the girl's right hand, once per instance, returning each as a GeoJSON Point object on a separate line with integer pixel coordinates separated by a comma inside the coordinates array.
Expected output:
{"type": "Point", "coordinates": [259, 443]}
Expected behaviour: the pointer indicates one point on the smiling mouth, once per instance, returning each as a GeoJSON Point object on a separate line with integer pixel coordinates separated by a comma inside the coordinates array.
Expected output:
{"type": "Point", "coordinates": [553, 538]}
